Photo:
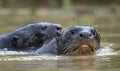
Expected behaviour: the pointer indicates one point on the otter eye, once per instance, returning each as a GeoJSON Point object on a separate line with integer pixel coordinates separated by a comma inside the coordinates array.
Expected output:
{"type": "Point", "coordinates": [93, 31]}
{"type": "Point", "coordinates": [44, 28]}
{"type": "Point", "coordinates": [72, 32]}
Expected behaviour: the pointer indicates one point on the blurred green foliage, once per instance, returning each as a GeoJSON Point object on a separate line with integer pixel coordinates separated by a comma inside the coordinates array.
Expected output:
{"type": "Point", "coordinates": [53, 3]}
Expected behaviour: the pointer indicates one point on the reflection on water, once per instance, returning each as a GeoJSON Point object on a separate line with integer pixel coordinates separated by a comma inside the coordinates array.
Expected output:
{"type": "Point", "coordinates": [79, 63]}
{"type": "Point", "coordinates": [105, 60]}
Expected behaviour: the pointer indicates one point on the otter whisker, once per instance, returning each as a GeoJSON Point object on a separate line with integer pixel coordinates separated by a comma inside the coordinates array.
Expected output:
{"type": "Point", "coordinates": [49, 37]}
{"type": "Point", "coordinates": [64, 45]}
{"type": "Point", "coordinates": [66, 49]}
{"type": "Point", "coordinates": [94, 43]}
{"type": "Point", "coordinates": [71, 48]}
{"type": "Point", "coordinates": [30, 40]}
{"type": "Point", "coordinates": [97, 46]}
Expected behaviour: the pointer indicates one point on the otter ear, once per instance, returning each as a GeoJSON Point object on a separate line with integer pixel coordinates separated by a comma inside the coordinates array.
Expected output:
{"type": "Point", "coordinates": [15, 40]}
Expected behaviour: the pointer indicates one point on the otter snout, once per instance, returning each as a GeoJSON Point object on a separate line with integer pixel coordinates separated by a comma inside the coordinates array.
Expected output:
{"type": "Point", "coordinates": [58, 30]}
{"type": "Point", "coordinates": [85, 34]}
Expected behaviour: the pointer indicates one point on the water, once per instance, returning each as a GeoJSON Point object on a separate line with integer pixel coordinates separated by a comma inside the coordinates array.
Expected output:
{"type": "Point", "coordinates": [105, 59]}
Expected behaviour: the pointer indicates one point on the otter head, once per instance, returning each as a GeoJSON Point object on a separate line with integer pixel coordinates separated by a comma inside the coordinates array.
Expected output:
{"type": "Point", "coordinates": [35, 35]}
{"type": "Point", "coordinates": [79, 40]}
{"type": "Point", "coordinates": [49, 30]}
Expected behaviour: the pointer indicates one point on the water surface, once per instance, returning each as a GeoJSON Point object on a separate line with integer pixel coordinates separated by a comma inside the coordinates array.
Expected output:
{"type": "Point", "coordinates": [106, 59]}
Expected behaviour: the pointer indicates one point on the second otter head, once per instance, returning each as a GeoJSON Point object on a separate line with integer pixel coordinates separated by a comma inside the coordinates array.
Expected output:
{"type": "Point", "coordinates": [34, 35]}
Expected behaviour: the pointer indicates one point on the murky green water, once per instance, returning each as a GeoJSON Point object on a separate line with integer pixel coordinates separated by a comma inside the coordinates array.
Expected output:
{"type": "Point", "coordinates": [108, 59]}
{"type": "Point", "coordinates": [104, 60]}
{"type": "Point", "coordinates": [60, 63]}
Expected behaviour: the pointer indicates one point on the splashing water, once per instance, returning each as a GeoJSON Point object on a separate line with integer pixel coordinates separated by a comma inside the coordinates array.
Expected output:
{"type": "Point", "coordinates": [106, 50]}
{"type": "Point", "coordinates": [27, 56]}
{"type": "Point", "coordinates": [13, 53]}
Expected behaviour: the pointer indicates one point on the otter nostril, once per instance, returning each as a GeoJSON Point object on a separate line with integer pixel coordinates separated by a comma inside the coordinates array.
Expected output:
{"type": "Point", "coordinates": [81, 35]}
{"type": "Point", "coordinates": [90, 34]}
{"type": "Point", "coordinates": [72, 32]}
{"type": "Point", "coordinates": [85, 34]}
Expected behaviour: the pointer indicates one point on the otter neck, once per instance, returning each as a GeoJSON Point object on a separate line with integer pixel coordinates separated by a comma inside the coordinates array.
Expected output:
{"type": "Point", "coordinates": [5, 42]}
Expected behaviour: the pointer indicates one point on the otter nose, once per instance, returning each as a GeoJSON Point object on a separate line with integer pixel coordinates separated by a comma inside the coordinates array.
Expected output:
{"type": "Point", "coordinates": [85, 34]}
{"type": "Point", "coordinates": [58, 28]}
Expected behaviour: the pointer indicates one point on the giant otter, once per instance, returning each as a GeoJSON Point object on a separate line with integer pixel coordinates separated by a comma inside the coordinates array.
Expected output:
{"type": "Point", "coordinates": [77, 40]}
{"type": "Point", "coordinates": [29, 37]}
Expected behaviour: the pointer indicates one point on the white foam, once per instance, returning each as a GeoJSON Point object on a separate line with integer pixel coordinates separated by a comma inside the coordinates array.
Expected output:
{"type": "Point", "coordinates": [106, 50]}
{"type": "Point", "coordinates": [30, 58]}
{"type": "Point", "coordinates": [13, 53]}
